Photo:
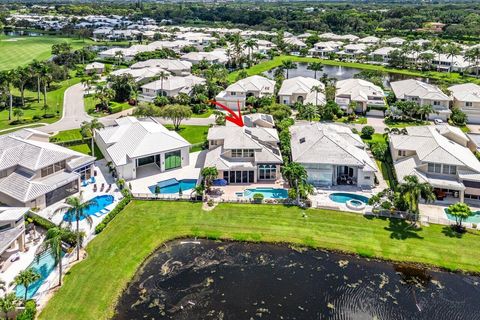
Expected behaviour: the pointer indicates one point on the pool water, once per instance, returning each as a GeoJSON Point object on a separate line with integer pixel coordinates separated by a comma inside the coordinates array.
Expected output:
{"type": "Point", "coordinates": [99, 203]}
{"type": "Point", "coordinates": [475, 218]}
{"type": "Point", "coordinates": [341, 197]}
{"type": "Point", "coordinates": [44, 266]}
{"type": "Point", "coordinates": [268, 193]}
{"type": "Point", "coordinates": [172, 186]}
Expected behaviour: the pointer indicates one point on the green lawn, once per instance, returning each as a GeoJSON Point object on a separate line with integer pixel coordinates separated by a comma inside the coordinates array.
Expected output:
{"type": "Point", "coordinates": [67, 135]}
{"type": "Point", "coordinates": [193, 134]}
{"type": "Point", "coordinates": [85, 148]}
{"type": "Point", "coordinates": [92, 287]}
{"type": "Point", "coordinates": [404, 124]}
{"type": "Point", "coordinates": [277, 61]}
{"type": "Point", "coordinates": [386, 167]}
{"type": "Point", "coordinates": [32, 108]}
{"type": "Point", "coordinates": [90, 102]}
{"type": "Point", "coordinates": [20, 50]}
{"type": "Point", "coordinates": [206, 114]}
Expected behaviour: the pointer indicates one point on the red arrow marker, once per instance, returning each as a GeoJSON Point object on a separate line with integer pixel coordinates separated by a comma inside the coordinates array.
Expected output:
{"type": "Point", "coordinates": [233, 118]}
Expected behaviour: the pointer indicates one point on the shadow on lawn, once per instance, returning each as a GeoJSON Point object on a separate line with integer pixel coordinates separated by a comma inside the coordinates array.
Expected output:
{"type": "Point", "coordinates": [400, 229]}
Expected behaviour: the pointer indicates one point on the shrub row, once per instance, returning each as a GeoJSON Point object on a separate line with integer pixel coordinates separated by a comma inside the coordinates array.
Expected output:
{"type": "Point", "coordinates": [29, 312]}
{"type": "Point", "coordinates": [120, 206]}
{"type": "Point", "coordinates": [115, 108]}
{"type": "Point", "coordinates": [70, 236]}
{"type": "Point", "coordinates": [70, 143]}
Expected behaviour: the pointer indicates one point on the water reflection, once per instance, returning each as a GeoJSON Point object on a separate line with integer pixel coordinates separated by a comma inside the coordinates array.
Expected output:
{"type": "Point", "coordinates": [225, 280]}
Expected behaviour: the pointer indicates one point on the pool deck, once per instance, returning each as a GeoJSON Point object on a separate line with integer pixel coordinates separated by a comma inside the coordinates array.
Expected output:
{"type": "Point", "coordinates": [321, 198]}
{"type": "Point", "coordinates": [229, 192]}
{"type": "Point", "coordinates": [149, 175]}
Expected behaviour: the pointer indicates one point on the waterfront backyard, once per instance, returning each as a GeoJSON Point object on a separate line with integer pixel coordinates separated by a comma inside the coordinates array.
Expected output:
{"type": "Point", "coordinates": [115, 255]}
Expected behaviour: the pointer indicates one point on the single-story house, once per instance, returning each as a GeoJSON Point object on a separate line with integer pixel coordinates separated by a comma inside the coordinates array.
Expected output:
{"type": "Point", "coordinates": [95, 68]}
{"type": "Point", "coordinates": [361, 92]}
{"type": "Point", "coordinates": [300, 89]}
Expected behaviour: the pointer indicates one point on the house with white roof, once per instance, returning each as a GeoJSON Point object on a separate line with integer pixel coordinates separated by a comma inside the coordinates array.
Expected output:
{"type": "Point", "coordinates": [423, 94]}
{"type": "Point", "coordinates": [215, 56]}
{"type": "Point", "coordinates": [361, 92]}
{"type": "Point", "coordinates": [395, 41]}
{"type": "Point", "coordinates": [35, 173]}
{"type": "Point", "coordinates": [295, 45]}
{"type": "Point", "coordinates": [444, 62]}
{"type": "Point", "coordinates": [12, 234]}
{"type": "Point", "coordinates": [369, 40]}
{"type": "Point", "coordinates": [382, 54]}
{"type": "Point", "coordinates": [300, 89]}
{"type": "Point", "coordinates": [439, 156]}
{"type": "Point", "coordinates": [332, 154]}
{"type": "Point", "coordinates": [94, 68]}
{"type": "Point", "coordinates": [248, 154]}
{"type": "Point", "coordinates": [236, 94]}
{"type": "Point", "coordinates": [324, 49]}
{"type": "Point", "coordinates": [169, 87]}
{"type": "Point", "coordinates": [353, 50]}
{"type": "Point", "coordinates": [466, 97]}
{"type": "Point", "coordinates": [141, 75]}
{"type": "Point", "coordinates": [132, 144]}
{"type": "Point", "coordinates": [176, 67]}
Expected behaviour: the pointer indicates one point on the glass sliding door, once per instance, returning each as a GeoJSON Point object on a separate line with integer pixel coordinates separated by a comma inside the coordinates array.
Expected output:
{"type": "Point", "coordinates": [173, 160]}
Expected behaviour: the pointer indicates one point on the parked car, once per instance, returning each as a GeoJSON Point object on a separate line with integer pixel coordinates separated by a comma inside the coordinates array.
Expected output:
{"type": "Point", "coordinates": [438, 121]}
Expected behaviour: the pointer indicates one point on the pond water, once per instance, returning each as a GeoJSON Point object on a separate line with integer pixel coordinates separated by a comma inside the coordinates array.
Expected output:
{"type": "Point", "coordinates": [339, 73]}
{"type": "Point", "coordinates": [204, 279]}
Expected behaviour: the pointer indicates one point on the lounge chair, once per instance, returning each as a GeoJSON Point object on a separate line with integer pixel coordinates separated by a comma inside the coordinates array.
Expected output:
{"type": "Point", "coordinates": [108, 188]}
{"type": "Point", "coordinates": [95, 187]}
{"type": "Point", "coordinates": [102, 187]}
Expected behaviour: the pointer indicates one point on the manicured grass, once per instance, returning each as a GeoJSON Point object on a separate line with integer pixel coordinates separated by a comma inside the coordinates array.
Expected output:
{"type": "Point", "coordinates": [90, 102]}
{"type": "Point", "coordinates": [206, 114]}
{"type": "Point", "coordinates": [92, 287]}
{"type": "Point", "coordinates": [386, 167]}
{"type": "Point", "coordinates": [54, 100]}
{"type": "Point", "coordinates": [277, 61]}
{"type": "Point", "coordinates": [20, 50]}
{"type": "Point", "coordinates": [358, 120]}
{"type": "Point", "coordinates": [67, 135]}
{"type": "Point", "coordinates": [404, 124]}
{"type": "Point", "coordinates": [193, 134]}
{"type": "Point", "coordinates": [86, 149]}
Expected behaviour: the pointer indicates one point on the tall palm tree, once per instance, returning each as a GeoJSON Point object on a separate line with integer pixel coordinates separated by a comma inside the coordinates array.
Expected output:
{"type": "Point", "coordinates": [315, 67]}
{"type": "Point", "coordinates": [250, 44]}
{"type": "Point", "coordinates": [412, 189]}
{"type": "Point", "coordinates": [21, 79]}
{"type": "Point", "coordinates": [473, 56]}
{"type": "Point", "coordinates": [74, 209]}
{"type": "Point", "coordinates": [237, 41]}
{"type": "Point", "coordinates": [310, 112]}
{"type": "Point", "coordinates": [26, 278]}
{"type": "Point", "coordinates": [287, 65]}
{"type": "Point", "coordinates": [162, 76]}
{"type": "Point", "coordinates": [439, 48]}
{"type": "Point", "coordinates": [452, 50]}
{"type": "Point", "coordinates": [6, 79]}
{"type": "Point", "coordinates": [45, 77]}
{"type": "Point", "coordinates": [53, 243]}
{"type": "Point", "coordinates": [89, 128]}
{"type": "Point", "coordinates": [8, 304]}
{"type": "Point", "coordinates": [426, 110]}
{"type": "Point", "coordinates": [317, 90]}
{"type": "Point", "coordinates": [426, 59]}
{"type": "Point", "coordinates": [119, 56]}
{"type": "Point", "coordinates": [36, 67]}
{"type": "Point", "coordinates": [296, 174]}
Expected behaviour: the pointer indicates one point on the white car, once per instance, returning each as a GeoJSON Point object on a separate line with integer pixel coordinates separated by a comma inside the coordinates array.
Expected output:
{"type": "Point", "coordinates": [438, 121]}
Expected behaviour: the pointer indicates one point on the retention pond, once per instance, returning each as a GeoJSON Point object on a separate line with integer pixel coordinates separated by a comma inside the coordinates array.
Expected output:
{"type": "Point", "coordinates": [189, 279]}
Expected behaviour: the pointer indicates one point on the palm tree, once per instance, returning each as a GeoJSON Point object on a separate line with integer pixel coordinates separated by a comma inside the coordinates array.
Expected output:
{"type": "Point", "coordinates": [208, 174]}
{"type": "Point", "coordinates": [317, 90]}
{"type": "Point", "coordinates": [21, 79]}
{"type": "Point", "coordinates": [17, 112]}
{"type": "Point", "coordinates": [296, 175]}
{"type": "Point", "coordinates": [8, 304]}
{"type": "Point", "coordinates": [118, 56]}
{"type": "Point", "coordinates": [237, 40]}
{"type": "Point", "coordinates": [426, 110]}
{"type": "Point", "coordinates": [104, 94]}
{"type": "Point", "coordinates": [26, 278]}
{"type": "Point", "coordinates": [53, 243]}
{"type": "Point", "coordinates": [45, 77]}
{"type": "Point", "coordinates": [438, 48]}
{"type": "Point", "coordinates": [412, 189]}
{"type": "Point", "coordinates": [310, 112]}
{"type": "Point", "coordinates": [452, 50]}
{"type": "Point", "coordinates": [426, 59]}
{"type": "Point", "coordinates": [162, 76]}
{"type": "Point", "coordinates": [250, 44]}
{"type": "Point", "coordinates": [473, 56]}
{"type": "Point", "coordinates": [36, 67]}
{"type": "Point", "coordinates": [74, 209]}
{"type": "Point", "coordinates": [6, 79]}
{"type": "Point", "coordinates": [287, 65]}
{"type": "Point", "coordinates": [89, 128]}
{"type": "Point", "coordinates": [315, 66]}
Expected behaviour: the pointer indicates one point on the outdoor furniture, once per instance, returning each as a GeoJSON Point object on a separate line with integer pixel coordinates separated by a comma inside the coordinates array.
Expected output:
{"type": "Point", "coordinates": [108, 188]}
{"type": "Point", "coordinates": [102, 187]}
{"type": "Point", "coordinates": [95, 187]}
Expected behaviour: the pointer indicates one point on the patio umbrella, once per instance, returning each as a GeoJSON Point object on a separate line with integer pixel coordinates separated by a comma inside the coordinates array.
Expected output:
{"type": "Point", "coordinates": [219, 182]}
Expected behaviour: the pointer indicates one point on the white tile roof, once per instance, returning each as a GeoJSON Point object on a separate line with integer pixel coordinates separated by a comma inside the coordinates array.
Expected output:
{"type": "Point", "coordinates": [416, 88]}
{"type": "Point", "coordinates": [140, 73]}
{"type": "Point", "coordinates": [167, 64]}
{"type": "Point", "coordinates": [467, 92]}
{"type": "Point", "coordinates": [12, 213]}
{"type": "Point", "coordinates": [133, 138]}
{"type": "Point", "coordinates": [358, 89]}
{"type": "Point", "coordinates": [253, 83]}
{"type": "Point", "coordinates": [173, 83]}
{"type": "Point", "coordinates": [328, 144]}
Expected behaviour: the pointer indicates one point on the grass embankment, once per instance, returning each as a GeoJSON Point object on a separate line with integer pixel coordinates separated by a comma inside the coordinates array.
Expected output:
{"type": "Point", "coordinates": [21, 50]}
{"type": "Point", "coordinates": [452, 77]}
{"type": "Point", "coordinates": [82, 147]}
{"type": "Point", "coordinates": [33, 107]}
{"type": "Point", "coordinates": [92, 287]}
{"type": "Point", "coordinates": [196, 135]}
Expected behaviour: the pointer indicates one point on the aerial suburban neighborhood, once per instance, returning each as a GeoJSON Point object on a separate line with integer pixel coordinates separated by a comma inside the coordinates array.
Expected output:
{"type": "Point", "coordinates": [232, 160]}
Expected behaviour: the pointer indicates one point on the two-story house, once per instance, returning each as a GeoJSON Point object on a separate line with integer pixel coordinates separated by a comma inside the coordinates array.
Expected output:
{"type": "Point", "coordinates": [332, 155]}
{"type": "Point", "coordinates": [360, 92]}
{"type": "Point", "coordinates": [35, 173]}
{"type": "Point", "coordinates": [169, 87]}
{"type": "Point", "coordinates": [466, 97]}
{"type": "Point", "coordinates": [423, 94]}
{"type": "Point", "coordinates": [236, 94]}
{"type": "Point", "coordinates": [132, 144]}
{"type": "Point", "coordinates": [248, 154]}
{"type": "Point", "coordinates": [325, 48]}
{"type": "Point", "coordinates": [12, 234]}
{"type": "Point", "coordinates": [302, 90]}
{"type": "Point", "coordinates": [437, 155]}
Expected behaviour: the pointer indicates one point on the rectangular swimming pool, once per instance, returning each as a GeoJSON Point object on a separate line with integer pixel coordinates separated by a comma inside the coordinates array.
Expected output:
{"type": "Point", "coordinates": [268, 193]}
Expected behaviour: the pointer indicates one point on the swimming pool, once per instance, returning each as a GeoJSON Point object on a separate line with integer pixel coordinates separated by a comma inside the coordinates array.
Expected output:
{"type": "Point", "coordinates": [472, 219]}
{"type": "Point", "coordinates": [172, 186]}
{"type": "Point", "coordinates": [268, 193]}
{"type": "Point", "coordinates": [99, 203]}
{"type": "Point", "coordinates": [341, 197]}
{"type": "Point", "coordinates": [44, 265]}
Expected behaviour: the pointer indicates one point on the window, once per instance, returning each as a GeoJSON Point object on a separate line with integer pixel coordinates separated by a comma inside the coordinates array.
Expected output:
{"type": "Point", "coordinates": [243, 153]}
{"type": "Point", "coordinates": [402, 153]}
{"type": "Point", "coordinates": [173, 160]}
{"type": "Point", "coordinates": [434, 167]}
{"type": "Point", "coordinates": [436, 103]}
{"type": "Point", "coordinates": [233, 93]}
{"type": "Point", "coordinates": [236, 153]}
{"type": "Point", "coordinates": [447, 169]}
{"type": "Point", "coordinates": [59, 166]}
{"type": "Point", "coordinates": [468, 104]}
{"type": "Point", "coordinates": [302, 140]}
{"type": "Point", "coordinates": [267, 172]}
{"type": "Point", "coordinates": [47, 171]}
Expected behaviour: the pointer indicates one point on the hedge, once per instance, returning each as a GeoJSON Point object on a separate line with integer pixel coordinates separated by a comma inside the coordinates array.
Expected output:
{"type": "Point", "coordinates": [120, 206]}
{"type": "Point", "coordinates": [115, 108]}
{"type": "Point", "coordinates": [70, 236]}
{"type": "Point", "coordinates": [29, 312]}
